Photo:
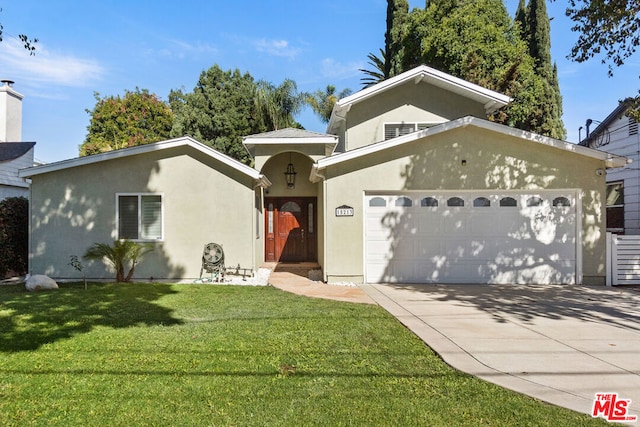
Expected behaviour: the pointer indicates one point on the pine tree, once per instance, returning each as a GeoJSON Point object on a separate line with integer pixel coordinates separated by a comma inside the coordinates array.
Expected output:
{"type": "Point", "coordinates": [521, 18]}
{"type": "Point", "coordinates": [397, 15]}
{"type": "Point", "coordinates": [538, 35]}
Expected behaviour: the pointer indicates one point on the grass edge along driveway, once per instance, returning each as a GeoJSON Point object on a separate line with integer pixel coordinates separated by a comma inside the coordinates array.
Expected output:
{"type": "Point", "coordinates": [196, 355]}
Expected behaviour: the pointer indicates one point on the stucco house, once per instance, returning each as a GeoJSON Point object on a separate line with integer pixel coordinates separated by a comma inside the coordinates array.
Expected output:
{"type": "Point", "coordinates": [410, 184]}
{"type": "Point", "coordinates": [14, 153]}
{"type": "Point", "coordinates": [618, 134]}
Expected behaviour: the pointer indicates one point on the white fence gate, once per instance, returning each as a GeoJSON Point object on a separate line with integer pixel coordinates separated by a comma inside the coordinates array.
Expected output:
{"type": "Point", "coordinates": [623, 260]}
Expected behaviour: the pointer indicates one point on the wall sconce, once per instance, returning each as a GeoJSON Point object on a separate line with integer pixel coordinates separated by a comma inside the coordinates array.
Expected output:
{"type": "Point", "coordinates": [463, 163]}
{"type": "Point", "coordinates": [290, 174]}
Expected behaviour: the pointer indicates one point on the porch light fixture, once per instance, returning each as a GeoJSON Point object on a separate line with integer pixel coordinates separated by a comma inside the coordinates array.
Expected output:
{"type": "Point", "coordinates": [290, 174]}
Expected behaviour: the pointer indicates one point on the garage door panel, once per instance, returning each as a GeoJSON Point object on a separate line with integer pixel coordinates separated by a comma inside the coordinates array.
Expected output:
{"type": "Point", "coordinates": [482, 221]}
{"type": "Point", "coordinates": [490, 244]}
{"type": "Point", "coordinates": [429, 248]}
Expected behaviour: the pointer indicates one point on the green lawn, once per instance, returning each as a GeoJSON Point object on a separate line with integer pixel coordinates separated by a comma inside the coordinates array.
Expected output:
{"type": "Point", "coordinates": [200, 355]}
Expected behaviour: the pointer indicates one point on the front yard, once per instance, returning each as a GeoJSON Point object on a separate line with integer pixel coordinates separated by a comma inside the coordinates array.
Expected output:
{"type": "Point", "coordinates": [199, 355]}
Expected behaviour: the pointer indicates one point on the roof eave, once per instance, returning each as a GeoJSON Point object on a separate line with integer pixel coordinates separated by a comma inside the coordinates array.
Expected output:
{"type": "Point", "coordinates": [611, 161]}
{"type": "Point", "coordinates": [141, 149]}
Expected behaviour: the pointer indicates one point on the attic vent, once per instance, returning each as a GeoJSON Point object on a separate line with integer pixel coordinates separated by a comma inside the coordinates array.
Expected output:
{"type": "Point", "coordinates": [394, 130]}
{"type": "Point", "coordinates": [633, 126]}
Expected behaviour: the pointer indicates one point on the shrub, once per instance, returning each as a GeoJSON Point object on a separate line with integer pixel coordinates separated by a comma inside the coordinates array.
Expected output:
{"type": "Point", "coordinates": [14, 235]}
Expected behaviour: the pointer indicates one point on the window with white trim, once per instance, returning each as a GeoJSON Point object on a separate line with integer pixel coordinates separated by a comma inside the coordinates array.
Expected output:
{"type": "Point", "coordinates": [394, 130]}
{"type": "Point", "coordinates": [139, 216]}
{"type": "Point", "coordinates": [615, 206]}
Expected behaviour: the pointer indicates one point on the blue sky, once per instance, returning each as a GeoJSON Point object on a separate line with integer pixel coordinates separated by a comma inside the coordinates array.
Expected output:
{"type": "Point", "coordinates": [108, 47]}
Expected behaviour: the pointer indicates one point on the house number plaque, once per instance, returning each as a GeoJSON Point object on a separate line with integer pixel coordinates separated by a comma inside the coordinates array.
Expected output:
{"type": "Point", "coordinates": [344, 210]}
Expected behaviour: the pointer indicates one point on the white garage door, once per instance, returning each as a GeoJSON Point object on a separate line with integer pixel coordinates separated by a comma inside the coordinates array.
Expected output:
{"type": "Point", "coordinates": [471, 237]}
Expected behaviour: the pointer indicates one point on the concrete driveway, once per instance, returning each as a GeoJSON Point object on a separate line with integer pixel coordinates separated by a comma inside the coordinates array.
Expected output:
{"type": "Point", "coordinates": [560, 344]}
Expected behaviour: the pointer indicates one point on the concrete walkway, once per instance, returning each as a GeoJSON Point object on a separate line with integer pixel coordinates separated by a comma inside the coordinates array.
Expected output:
{"type": "Point", "coordinates": [560, 344]}
{"type": "Point", "coordinates": [297, 284]}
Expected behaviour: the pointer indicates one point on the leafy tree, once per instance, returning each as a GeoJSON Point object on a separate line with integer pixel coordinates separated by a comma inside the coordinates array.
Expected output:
{"type": "Point", "coordinates": [137, 118]}
{"type": "Point", "coordinates": [14, 235]}
{"type": "Point", "coordinates": [608, 27]}
{"type": "Point", "coordinates": [322, 101]}
{"type": "Point", "coordinates": [121, 254]}
{"type": "Point", "coordinates": [479, 42]}
{"type": "Point", "coordinates": [276, 106]}
{"type": "Point", "coordinates": [219, 111]}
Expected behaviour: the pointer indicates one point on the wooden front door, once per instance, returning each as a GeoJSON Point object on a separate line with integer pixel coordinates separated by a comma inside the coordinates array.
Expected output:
{"type": "Point", "coordinates": [290, 229]}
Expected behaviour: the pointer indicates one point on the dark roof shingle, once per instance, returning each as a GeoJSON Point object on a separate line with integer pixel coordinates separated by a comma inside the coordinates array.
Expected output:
{"type": "Point", "coordinates": [13, 150]}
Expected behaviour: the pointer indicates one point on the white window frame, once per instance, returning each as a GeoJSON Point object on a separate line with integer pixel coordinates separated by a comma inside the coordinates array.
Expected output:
{"type": "Point", "coordinates": [140, 196]}
{"type": "Point", "coordinates": [416, 127]}
{"type": "Point", "coordinates": [619, 205]}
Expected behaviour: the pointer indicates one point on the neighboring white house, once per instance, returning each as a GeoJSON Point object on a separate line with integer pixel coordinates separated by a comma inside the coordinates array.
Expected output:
{"type": "Point", "coordinates": [618, 134]}
{"type": "Point", "coordinates": [14, 154]}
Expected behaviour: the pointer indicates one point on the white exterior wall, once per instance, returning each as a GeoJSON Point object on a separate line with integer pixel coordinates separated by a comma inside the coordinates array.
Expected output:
{"type": "Point", "coordinates": [9, 170]}
{"type": "Point", "coordinates": [10, 184]}
{"type": "Point", "coordinates": [6, 192]}
{"type": "Point", "coordinates": [620, 142]}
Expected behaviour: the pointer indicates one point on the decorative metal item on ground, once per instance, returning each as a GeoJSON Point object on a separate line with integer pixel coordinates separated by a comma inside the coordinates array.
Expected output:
{"type": "Point", "coordinates": [213, 263]}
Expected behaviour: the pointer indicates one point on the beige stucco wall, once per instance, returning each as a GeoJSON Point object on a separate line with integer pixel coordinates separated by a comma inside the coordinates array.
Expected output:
{"type": "Point", "coordinates": [274, 170]}
{"type": "Point", "coordinates": [264, 154]}
{"type": "Point", "coordinates": [493, 161]}
{"type": "Point", "coordinates": [204, 201]}
{"type": "Point", "coordinates": [422, 103]}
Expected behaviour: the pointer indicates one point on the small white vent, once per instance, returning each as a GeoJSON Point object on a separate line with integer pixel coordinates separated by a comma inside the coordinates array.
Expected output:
{"type": "Point", "coordinates": [633, 126]}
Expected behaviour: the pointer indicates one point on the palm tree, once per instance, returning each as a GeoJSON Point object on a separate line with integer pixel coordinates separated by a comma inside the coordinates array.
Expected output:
{"type": "Point", "coordinates": [322, 101]}
{"type": "Point", "coordinates": [378, 73]}
{"type": "Point", "coordinates": [276, 105]}
{"type": "Point", "coordinates": [123, 252]}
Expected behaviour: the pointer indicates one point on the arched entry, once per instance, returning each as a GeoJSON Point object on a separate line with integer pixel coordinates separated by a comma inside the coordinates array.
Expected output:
{"type": "Point", "coordinates": [290, 209]}
{"type": "Point", "coordinates": [290, 224]}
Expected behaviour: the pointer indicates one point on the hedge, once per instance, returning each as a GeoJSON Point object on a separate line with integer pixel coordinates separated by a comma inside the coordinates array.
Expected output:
{"type": "Point", "coordinates": [14, 236]}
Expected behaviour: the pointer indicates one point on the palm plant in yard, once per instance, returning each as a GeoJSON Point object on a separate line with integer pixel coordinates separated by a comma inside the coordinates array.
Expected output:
{"type": "Point", "coordinates": [119, 255]}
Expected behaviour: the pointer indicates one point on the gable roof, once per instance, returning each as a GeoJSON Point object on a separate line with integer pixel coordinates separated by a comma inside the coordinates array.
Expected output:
{"type": "Point", "coordinates": [147, 148]}
{"type": "Point", "coordinates": [13, 150]}
{"type": "Point", "coordinates": [290, 136]}
{"type": "Point", "coordinates": [611, 160]}
{"type": "Point", "coordinates": [491, 100]}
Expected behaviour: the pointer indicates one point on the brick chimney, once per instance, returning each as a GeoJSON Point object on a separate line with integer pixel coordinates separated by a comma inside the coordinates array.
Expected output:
{"type": "Point", "coordinates": [10, 113]}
